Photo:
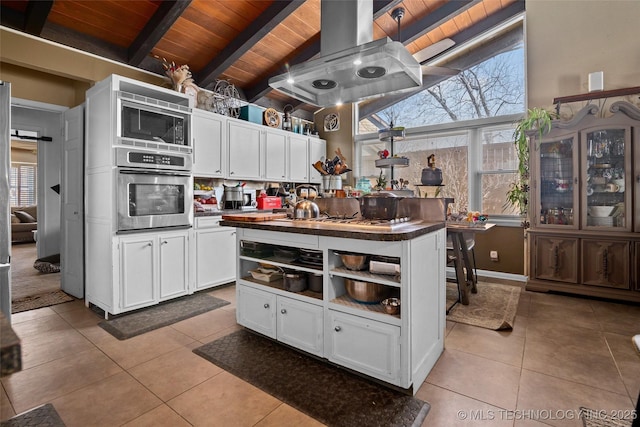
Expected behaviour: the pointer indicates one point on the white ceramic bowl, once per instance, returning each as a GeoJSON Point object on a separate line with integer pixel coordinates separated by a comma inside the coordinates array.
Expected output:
{"type": "Point", "coordinates": [600, 211]}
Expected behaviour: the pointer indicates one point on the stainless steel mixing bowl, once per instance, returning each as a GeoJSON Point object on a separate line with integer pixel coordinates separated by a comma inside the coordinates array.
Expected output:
{"type": "Point", "coordinates": [366, 292]}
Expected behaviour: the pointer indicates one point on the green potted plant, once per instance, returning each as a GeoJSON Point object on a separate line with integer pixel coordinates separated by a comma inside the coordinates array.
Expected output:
{"type": "Point", "coordinates": [537, 120]}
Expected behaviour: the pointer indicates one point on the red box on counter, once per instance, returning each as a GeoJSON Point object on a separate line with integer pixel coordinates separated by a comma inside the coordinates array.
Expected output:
{"type": "Point", "coordinates": [269, 202]}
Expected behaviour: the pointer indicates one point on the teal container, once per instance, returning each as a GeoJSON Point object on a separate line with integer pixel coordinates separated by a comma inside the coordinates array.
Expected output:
{"type": "Point", "coordinates": [251, 113]}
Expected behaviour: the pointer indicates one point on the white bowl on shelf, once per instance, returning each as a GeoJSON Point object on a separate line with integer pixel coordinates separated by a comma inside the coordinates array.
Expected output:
{"type": "Point", "coordinates": [600, 211]}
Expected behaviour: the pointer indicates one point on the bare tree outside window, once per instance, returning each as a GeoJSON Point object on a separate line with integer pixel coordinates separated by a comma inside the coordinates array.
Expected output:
{"type": "Point", "coordinates": [492, 88]}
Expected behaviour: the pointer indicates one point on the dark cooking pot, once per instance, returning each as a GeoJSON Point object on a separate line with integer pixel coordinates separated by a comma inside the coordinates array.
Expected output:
{"type": "Point", "coordinates": [379, 206]}
{"type": "Point", "coordinates": [294, 281]}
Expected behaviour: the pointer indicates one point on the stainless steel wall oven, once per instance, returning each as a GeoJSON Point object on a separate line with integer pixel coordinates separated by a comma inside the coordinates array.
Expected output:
{"type": "Point", "coordinates": [154, 190]}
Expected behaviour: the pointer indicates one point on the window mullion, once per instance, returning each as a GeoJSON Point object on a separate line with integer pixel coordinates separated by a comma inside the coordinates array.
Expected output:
{"type": "Point", "coordinates": [474, 164]}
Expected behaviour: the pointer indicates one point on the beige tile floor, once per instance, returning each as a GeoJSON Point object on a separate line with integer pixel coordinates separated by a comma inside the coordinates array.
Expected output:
{"type": "Point", "coordinates": [563, 353]}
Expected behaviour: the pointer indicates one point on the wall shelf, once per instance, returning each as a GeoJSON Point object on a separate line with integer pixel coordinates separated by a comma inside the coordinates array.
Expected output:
{"type": "Point", "coordinates": [595, 95]}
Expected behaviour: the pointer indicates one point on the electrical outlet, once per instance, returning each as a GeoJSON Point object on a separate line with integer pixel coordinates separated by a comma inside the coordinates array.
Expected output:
{"type": "Point", "coordinates": [493, 255]}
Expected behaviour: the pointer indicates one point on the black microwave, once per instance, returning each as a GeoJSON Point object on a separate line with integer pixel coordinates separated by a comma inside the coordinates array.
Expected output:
{"type": "Point", "coordinates": [153, 123]}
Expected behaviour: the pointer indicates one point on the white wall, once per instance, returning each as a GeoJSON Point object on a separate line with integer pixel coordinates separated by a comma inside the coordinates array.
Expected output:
{"type": "Point", "coordinates": [568, 39]}
{"type": "Point", "coordinates": [46, 123]}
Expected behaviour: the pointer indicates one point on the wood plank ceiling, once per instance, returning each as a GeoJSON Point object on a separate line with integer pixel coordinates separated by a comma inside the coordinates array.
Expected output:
{"type": "Point", "coordinates": [243, 41]}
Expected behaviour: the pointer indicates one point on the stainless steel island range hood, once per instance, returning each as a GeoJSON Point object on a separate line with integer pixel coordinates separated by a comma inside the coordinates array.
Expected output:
{"type": "Point", "coordinates": [351, 66]}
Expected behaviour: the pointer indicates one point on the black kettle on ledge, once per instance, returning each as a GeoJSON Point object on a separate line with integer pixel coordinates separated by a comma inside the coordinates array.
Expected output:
{"type": "Point", "coordinates": [431, 175]}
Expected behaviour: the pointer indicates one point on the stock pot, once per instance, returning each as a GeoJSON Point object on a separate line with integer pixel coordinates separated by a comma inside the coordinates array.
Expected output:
{"type": "Point", "coordinates": [379, 206]}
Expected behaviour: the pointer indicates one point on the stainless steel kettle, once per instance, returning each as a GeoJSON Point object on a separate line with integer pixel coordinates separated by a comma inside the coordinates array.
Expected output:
{"type": "Point", "coordinates": [306, 209]}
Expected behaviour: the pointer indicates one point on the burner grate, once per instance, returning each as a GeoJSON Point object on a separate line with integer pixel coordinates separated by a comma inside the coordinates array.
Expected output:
{"type": "Point", "coordinates": [350, 221]}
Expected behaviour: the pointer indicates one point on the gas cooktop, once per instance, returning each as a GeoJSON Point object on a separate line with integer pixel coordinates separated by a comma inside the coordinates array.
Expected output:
{"type": "Point", "coordinates": [356, 223]}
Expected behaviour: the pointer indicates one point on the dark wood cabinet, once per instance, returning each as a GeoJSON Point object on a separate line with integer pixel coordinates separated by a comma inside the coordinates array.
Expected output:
{"type": "Point", "coordinates": [555, 258]}
{"type": "Point", "coordinates": [606, 263]}
{"type": "Point", "coordinates": [585, 205]}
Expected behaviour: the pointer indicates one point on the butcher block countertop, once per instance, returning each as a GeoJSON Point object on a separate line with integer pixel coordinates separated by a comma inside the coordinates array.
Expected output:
{"type": "Point", "coordinates": [404, 231]}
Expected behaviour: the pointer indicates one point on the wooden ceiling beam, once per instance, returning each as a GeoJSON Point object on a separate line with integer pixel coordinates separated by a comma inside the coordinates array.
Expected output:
{"type": "Point", "coordinates": [35, 15]}
{"type": "Point", "coordinates": [240, 45]}
{"type": "Point", "coordinates": [84, 42]}
{"type": "Point", "coordinates": [165, 16]}
{"type": "Point", "coordinates": [434, 19]}
{"type": "Point", "coordinates": [308, 51]}
{"type": "Point", "coordinates": [11, 18]}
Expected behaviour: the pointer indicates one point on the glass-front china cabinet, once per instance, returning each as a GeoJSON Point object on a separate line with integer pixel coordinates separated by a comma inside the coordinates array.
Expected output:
{"type": "Point", "coordinates": [585, 191]}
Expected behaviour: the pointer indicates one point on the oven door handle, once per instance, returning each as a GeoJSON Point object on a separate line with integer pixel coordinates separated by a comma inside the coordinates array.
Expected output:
{"type": "Point", "coordinates": [152, 172]}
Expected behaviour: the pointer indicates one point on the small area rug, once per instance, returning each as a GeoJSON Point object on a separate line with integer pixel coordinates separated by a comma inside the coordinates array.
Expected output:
{"type": "Point", "coordinates": [325, 392]}
{"type": "Point", "coordinates": [591, 418]}
{"type": "Point", "coordinates": [147, 319]}
{"type": "Point", "coordinates": [40, 300]}
{"type": "Point", "coordinates": [42, 416]}
{"type": "Point", "coordinates": [493, 307]}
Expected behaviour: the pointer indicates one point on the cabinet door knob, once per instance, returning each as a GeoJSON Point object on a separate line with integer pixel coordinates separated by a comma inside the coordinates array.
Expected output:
{"type": "Point", "coordinates": [266, 305]}
{"type": "Point", "coordinates": [164, 242]}
{"type": "Point", "coordinates": [231, 173]}
{"type": "Point", "coordinates": [337, 328]}
{"type": "Point", "coordinates": [218, 171]}
{"type": "Point", "coordinates": [283, 311]}
{"type": "Point", "coordinates": [149, 244]}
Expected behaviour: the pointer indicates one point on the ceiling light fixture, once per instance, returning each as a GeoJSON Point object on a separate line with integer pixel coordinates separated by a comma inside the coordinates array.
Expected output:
{"type": "Point", "coordinates": [324, 84]}
{"type": "Point", "coordinates": [371, 72]}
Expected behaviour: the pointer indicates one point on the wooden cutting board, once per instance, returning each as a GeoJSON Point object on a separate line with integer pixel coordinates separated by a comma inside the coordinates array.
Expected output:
{"type": "Point", "coordinates": [254, 216]}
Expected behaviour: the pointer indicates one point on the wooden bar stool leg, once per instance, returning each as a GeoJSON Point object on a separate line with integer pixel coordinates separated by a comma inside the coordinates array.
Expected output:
{"type": "Point", "coordinates": [463, 288]}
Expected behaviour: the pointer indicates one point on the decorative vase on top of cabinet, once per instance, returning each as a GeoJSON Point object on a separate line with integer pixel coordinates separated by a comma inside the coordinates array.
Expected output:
{"type": "Point", "coordinates": [586, 232]}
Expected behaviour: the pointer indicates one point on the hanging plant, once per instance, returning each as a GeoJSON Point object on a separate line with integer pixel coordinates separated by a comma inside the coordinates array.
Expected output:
{"type": "Point", "coordinates": [537, 120]}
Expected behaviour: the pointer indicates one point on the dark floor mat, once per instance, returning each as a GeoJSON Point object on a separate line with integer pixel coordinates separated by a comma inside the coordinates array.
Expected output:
{"type": "Point", "coordinates": [42, 416]}
{"type": "Point", "coordinates": [147, 319]}
{"type": "Point", "coordinates": [327, 393]}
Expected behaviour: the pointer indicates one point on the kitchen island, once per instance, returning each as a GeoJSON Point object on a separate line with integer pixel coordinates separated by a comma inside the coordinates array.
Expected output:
{"type": "Point", "coordinates": [397, 349]}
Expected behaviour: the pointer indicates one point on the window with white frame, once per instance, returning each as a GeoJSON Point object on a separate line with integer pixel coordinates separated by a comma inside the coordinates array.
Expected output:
{"type": "Point", "coordinates": [477, 159]}
{"type": "Point", "coordinates": [498, 170]}
{"type": "Point", "coordinates": [22, 184]}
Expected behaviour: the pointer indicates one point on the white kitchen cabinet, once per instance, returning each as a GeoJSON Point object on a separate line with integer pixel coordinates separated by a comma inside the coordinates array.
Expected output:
{"type": "Point", "coordinates": [300, 325]}
{"type": "Point", "coordinates": [173, 280]}
{"type": "Point", "coordinates": [209, 148]}
{"type": "Point", "coordinates": [317, 150]}
{"type": "Point", "coordinates": [256, 310]}
{"type": "Point", "coordinates": [244, 148]}
{"type": "Point", "coordinates": [298, 158]}
{"type": "Point", "coordinates": [364, 345]}
{"type": "Point", "coordinates": [215, 253]}
{"type": "Point", "coordinates": [275, 149]}
{"type": "Point", "coordinates": [288, 320]}
{"type": "Point", "coordinates": [137, 271]}
{"type": "Point", "coordinates": [153, 268]}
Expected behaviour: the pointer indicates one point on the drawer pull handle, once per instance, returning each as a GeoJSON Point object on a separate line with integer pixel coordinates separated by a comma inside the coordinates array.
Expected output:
{"type": "Point", "coordinates": [337, 328]}
{"type": "Point", "coordinates": [266, 305]}
{"type": "Point", "coordinates": [283, 311]}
